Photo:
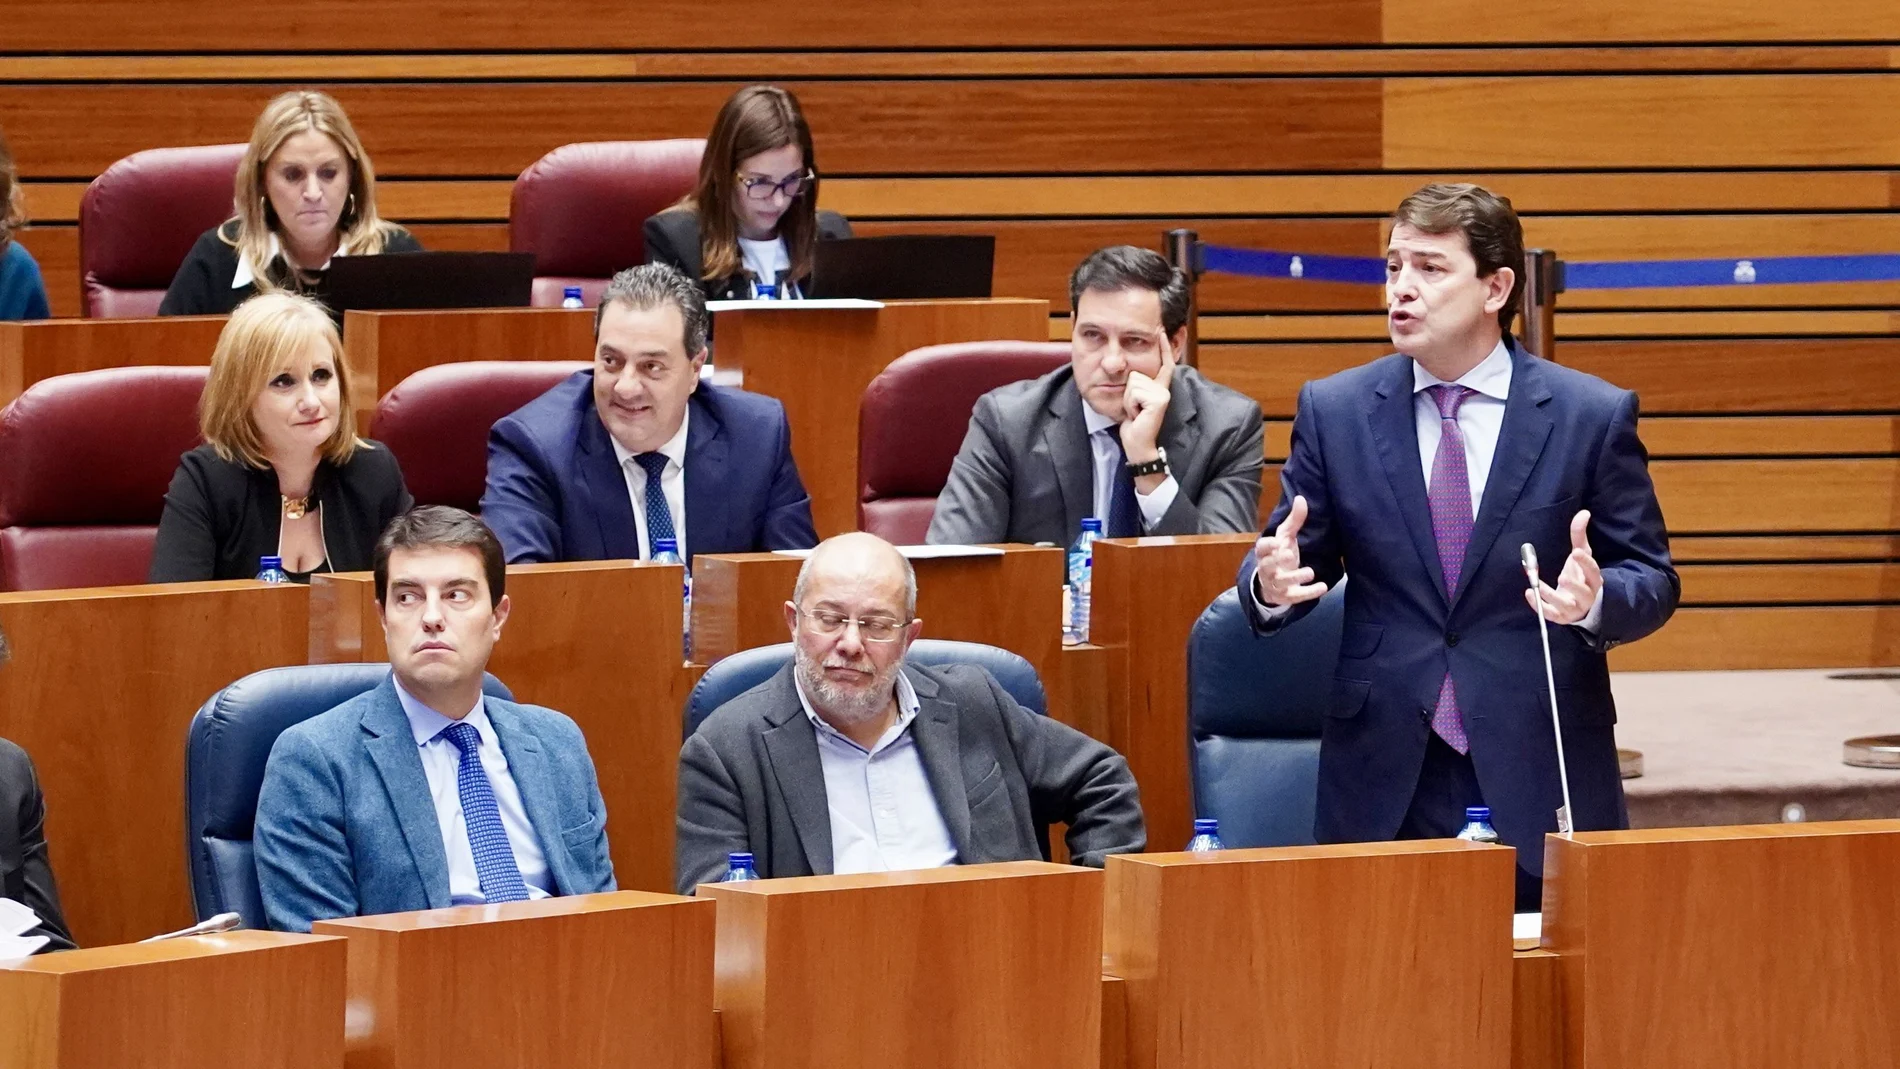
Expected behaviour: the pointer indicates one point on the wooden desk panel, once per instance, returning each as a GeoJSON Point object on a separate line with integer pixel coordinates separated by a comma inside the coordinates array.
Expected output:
{"type": "Point", "coordinates": [588, 982]}
{"type": "Point", "coordinates": [818, 363]}
{"type": "Point", "coordinates": [237, 999]}
{"type": "Point", "coordinates": [596, 640]}
{"type": "Point", "coordinates": [1744, 947]}
{"type": "Point", "coordinates": [101, 689]}
{"type": "Point", "coordinates": [1147, 594]}
{"type": "Point", "coordinates": [384, 348]}
{"type": "Point", "coordinates": [1378, 954]}
{"type": "Point", "coordinates": [30, 352]}
{"type": "Point", "coordinates": [984, 965]}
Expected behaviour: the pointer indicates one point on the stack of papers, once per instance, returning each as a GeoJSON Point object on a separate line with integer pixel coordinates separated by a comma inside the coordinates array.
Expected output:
{"type": "Point", "coordinates": [15, 921]}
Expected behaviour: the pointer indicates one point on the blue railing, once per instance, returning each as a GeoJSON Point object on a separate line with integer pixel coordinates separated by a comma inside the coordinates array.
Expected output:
{"type": "Point", "coordinates": [1576, 275]}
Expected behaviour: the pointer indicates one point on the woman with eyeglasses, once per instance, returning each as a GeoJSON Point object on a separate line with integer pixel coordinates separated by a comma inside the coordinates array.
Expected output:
{"type": "Point", "coordinates": [748, 227]}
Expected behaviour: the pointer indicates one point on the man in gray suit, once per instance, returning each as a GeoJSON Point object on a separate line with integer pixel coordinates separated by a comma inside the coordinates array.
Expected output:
{"type": "Point", "coordinates": [424, 793]}
{"type": "Point", "coordinates": [1123, 433]}
{"type": "Point", "coordinates": [849, 760]}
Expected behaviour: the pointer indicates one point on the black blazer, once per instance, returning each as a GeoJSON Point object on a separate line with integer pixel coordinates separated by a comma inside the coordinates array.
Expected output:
{"type": "Point", "coordinates": [673, 238]}
{"type": "Point", "coordinates": [203, 287]}
{"type": "Point", "coordinates": [221, 515]}
{"type": "Point", "coordinates": [26, 876]}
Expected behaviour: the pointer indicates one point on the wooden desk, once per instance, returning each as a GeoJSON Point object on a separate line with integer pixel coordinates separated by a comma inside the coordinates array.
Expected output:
{"type": "Point", "coordinates": [1379, 954]}
{"type": "Point", "coordinates": [39, 350]}
{"type": "Point", "coordinates": [237, 999]}
{"type": "Point", "coordinates": [597, 640]}
{"type": "Point", "coordinates": [384, 348]}
{"type": "Point", "coordinates": [101, 689]}
{"type": "Point", "coordinates": [1745, 947]}
{"type": "Point", "coordinates": [1147, 594]}
{"type": "Point", "coordinates": [588, 982]}
{"type": "Point", "coordinates": [818, 362]}
{"type": "Point", "coordinates": [1013, 601]}
{"type": "Point", "coordinates": [987, 965]}
{"type": "Point", "coordinates": [1537, 1038]}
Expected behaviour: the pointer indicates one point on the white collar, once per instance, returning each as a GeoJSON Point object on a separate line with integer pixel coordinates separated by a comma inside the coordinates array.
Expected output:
{"type": "Point", "coordinates": [1492, 376]}
{"type": "Point", "coordinates": [246, 274]}
{"type": "Point", "coordinates": [426, 723]}
{"type": "Point", "coordinates": [1097, 423]}
{"type": "Point", "coordinates": [674, 449]}
{"type": "Point", "coordinates": [907, 707]}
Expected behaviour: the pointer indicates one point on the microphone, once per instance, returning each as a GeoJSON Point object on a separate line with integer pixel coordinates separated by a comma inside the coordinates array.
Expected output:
{"type": "Point", "coordinates": [223, 922]}
{"type": "Point", "coordinates": [1528, 554]}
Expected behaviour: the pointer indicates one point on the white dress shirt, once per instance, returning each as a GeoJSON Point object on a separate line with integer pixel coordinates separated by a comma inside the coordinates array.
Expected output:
{"type": "Point", "coordinates": [884, 815]}
{"type": "Point", "coordinates": [246, 273]}
{"type": "Point", "coordinates": [441, 761]}
{"type": "Point", "coordinates": [1480, 422]}
{"type": "Point", "coordinates": [1105, 445]}
{"type": "Point", "coordinates": [672, 484]}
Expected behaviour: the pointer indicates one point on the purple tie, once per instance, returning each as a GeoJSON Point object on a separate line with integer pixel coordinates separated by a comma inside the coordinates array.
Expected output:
{"type": "Point", "coordinates": [1450, 495]}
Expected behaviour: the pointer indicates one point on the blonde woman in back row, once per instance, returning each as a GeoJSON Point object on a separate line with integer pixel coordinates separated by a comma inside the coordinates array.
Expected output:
{"type": "Point", "coordinates": [305, 194]}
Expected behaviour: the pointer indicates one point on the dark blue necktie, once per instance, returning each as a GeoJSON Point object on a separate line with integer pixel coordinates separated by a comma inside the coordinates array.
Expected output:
{"type": "Point", "coordinates": [659, 517]}
{"type": "Point", "coordinates": [1124, 515]}
{"type": "Point", "coordinates": [495, 863]}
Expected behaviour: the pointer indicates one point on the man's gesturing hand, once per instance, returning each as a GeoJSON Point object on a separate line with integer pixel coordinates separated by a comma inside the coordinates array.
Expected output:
{"type": "Point", "coordinates": [1278, 577]}
{"type": "Point", "coordinates": [1579, 583]}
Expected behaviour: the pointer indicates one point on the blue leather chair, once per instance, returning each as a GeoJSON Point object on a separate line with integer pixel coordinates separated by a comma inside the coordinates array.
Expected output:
{"type": "Point", "coordinates": [230, 739]}
{"type": "Point", "coordinates": [1255, 706]}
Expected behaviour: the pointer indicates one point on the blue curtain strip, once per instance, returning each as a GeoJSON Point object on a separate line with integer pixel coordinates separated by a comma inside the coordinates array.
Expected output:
{"type": "Point", "coordinates": [1586, 275]}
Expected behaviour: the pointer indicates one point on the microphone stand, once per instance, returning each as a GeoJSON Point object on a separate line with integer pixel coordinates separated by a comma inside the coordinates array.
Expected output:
{"type": "Point", "coordinates": [1528, 554]}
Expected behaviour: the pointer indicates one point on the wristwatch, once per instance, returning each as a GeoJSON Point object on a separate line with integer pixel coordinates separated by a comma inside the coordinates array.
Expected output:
{"type": "Point", "coordinates": [1157, 466]}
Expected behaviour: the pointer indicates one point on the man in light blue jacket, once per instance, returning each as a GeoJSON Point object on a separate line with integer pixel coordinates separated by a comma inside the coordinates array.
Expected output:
{"type": "Point", "coordinates": [423, 793]}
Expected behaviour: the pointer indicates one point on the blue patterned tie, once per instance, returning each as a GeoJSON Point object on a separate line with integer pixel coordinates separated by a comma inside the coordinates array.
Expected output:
{"type": "Point", "coordinates": [1450, 500]}
{"type": "Point", "coordinates": [494, 858]}
{"type": "Point", "coordinates": [659, 517]}
{"type": "Point", "coordinates": [1124, 515]}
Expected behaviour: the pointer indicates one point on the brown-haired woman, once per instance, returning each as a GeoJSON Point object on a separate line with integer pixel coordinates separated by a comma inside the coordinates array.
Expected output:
{"type": "Point", "coordinates": [748, 227]}
{"type": "Point", "coordinates": [305, 193]}
{"type": "Point", "coordinates": [282, 472]}
{"type": "Point", "coordinates": [22, 290]}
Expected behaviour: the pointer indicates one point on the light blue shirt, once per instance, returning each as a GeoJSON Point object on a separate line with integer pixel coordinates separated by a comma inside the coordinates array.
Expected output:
{"type": "Point", "coordinates": [441, 761]}
{"type": "Point", "coordinates": [1105, 449]}
{"type": "Point", "coordinates": [884, 815]}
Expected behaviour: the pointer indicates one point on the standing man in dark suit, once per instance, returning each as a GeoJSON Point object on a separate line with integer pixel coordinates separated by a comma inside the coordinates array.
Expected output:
{"type": "Point", "coordinates": [1423, 472]}
{"type": "Point", "coordinates": [639, 449]}
{"type": "Point", "coordinates": [849, 760]}
{"type": "Point", "coordinates": [1123, 433]}
{"type": "Point", "coordinates": [26, 873]}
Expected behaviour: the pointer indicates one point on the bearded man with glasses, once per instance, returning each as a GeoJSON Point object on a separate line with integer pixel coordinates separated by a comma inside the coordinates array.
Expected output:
{"type": "Point", "coordinates": [849, 760]}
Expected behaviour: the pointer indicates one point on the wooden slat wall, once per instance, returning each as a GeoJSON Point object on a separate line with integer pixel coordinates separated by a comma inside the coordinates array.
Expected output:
{"type": "Point", "coordinates": [1622, 129]}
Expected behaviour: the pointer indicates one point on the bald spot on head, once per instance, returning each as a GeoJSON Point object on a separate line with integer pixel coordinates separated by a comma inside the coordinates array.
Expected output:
{"type": "Point", "coordinates": [858, 563]}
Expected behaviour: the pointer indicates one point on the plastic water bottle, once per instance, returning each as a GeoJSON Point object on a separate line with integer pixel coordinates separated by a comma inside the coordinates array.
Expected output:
{"type": "Point", "coordinates": [271, 570]}
{"type": "Point", "coordinates": [739, 869]}
{"type": "Point", "coordinates": [765, 291]}
{"type": "Point", "coordinates": [1206, 837]}
{"type": "Point", "coordinates": [1478, 827]}
{"type": "Point", "coordinates": [1081, 577]}
{"type": "Point", "coordinates": [571, 297]}
{"type": "Point", "coordinates": [667, 551]}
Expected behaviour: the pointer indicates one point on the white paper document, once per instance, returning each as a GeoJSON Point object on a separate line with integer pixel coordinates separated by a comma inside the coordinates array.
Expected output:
{"type": "Point", "coordinates": [15, 921]}
{"type": "Point", "coordinates": [917, 552]}
{"type": "Point", "coordinates": [816, 304]}
{"type": "Point", "coordinates": [1527, 928]}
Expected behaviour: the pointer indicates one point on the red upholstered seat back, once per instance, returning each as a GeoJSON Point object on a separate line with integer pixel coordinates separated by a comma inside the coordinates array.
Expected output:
{"type": "Point", "coordinates": [139, 219]}
{"type": "Point", "coordinates": [580, 208]}
{"type": "Point", "coordinates": [84, 463]}
{"type": "Point", "coordinates": [913, 417]}
{"type": "Point", "coordinates": [436, 422]}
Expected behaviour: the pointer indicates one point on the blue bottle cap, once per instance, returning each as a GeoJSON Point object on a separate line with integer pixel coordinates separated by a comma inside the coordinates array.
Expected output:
{"type": "Point", "coordinates": [267, 563]}
{"type": "Point", "coordinates": [739, 861]}
{"type": "Point", "coordinates": [1478, 814]}
{"type": "Point", "coordinates": [1205, 826]}
{"type": "Point", "coordinates": [570, 291]}
{"type": "Point", "coordinates": [666, 545]}
{"type": "Point", "coordinates": [1092, 523]}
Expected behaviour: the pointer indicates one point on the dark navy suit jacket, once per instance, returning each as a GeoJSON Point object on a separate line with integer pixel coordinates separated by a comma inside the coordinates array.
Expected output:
{"type": "Point", "coordinates": [556, 492]}
{"type": "Point", "coordinates": [1568, 442]}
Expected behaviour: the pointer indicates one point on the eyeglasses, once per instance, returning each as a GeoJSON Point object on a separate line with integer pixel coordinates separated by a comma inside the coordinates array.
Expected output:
{"type": "Point", "coordinates": [871, 629]}
{"type": "Point", "coordinates": [758, 188]}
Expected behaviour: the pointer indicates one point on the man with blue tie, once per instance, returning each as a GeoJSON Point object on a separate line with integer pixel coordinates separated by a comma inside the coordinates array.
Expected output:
{"type": "Point", "coordinates": [1422, 474]}
{"type": "Point", "coordinates": [638, 449]}
{"type": "Point", "coordinates": [424, 793]}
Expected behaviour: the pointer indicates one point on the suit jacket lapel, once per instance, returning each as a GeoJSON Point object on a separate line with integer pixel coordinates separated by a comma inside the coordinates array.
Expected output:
{"type": "Point", "coordinates": [1395, 433]}
{"type": "Point", "coordinates": [1066, 433]}
{"type": "Point", "coordinates": [708, 510]}
{"type": "Point", "coordinates": [940, 747]}
{"type": "Point", "coordinates": [1527, 426]}
{"type": "Point", "coordinates": [539, 793]}
{"type": "Point", "coordinates": [791, 747]}
{"type": "Point", "coordinates": [606, 488]}
{"type": "Point", "coordinates": [392, 748]}
{"type": "Point", "coordinates": [1180, 427]}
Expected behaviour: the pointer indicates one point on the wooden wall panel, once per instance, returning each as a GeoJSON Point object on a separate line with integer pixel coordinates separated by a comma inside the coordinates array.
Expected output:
{"type": "Point", "coordinates": [1616, 21]}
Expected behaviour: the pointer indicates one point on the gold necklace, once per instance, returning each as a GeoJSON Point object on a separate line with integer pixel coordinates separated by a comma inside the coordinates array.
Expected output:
{"type": "Point", "coordinates": [295, 507]}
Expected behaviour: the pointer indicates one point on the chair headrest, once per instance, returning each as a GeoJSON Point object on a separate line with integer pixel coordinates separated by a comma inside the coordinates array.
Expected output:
{"type": "Point", "coordinates": [436, 421]}
{"type": "Point", "coordinates": [1242, 685]}
{"type": "Point", "coordinates": [96, 447]}
{"type": "Point", "coordinates": [901, 521]}
{"type": "Point", "coordinates": [913, 416]}
{"type": "Point", "coordinates": [139, 218]}
{"type": "Point", "coordinates": [580, 208]}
